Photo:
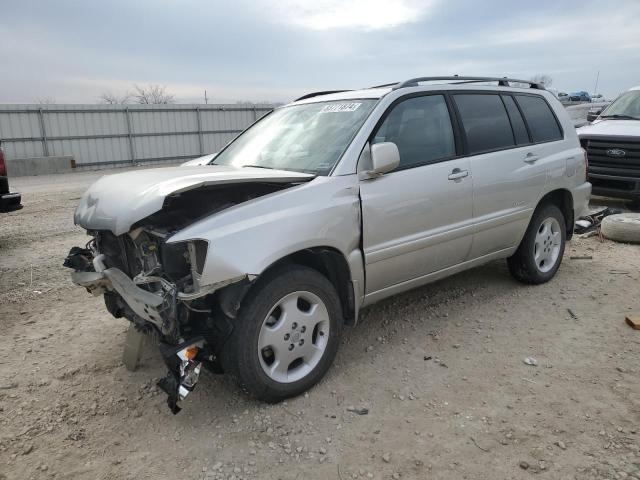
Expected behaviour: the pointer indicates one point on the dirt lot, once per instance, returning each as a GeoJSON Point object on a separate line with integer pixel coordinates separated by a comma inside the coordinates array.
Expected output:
{"type": "Point", "coordinates": [440, 369]}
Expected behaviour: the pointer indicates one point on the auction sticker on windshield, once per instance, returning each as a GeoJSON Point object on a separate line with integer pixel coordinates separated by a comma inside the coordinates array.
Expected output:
{"type": "Point", "coordinates": [340, 107]}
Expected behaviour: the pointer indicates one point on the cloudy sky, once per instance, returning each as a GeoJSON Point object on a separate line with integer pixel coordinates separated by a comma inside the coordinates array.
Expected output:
{"type": "Point", "coordinates": [72, 51]}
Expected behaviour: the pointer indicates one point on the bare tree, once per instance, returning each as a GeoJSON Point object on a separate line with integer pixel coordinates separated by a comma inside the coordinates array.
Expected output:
{"type": "Point", "coordinates": [152, 95]}
{"type": "Point", "coordinates": [113, 99]}
{"type": "Point", "coordinates": [45, 101]}
{"type": "Point", "coordinates": [543, 79]}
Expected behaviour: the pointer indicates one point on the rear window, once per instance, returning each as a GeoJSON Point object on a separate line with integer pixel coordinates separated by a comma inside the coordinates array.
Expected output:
{"type": "Point", "coordinates": [519, 129]}
{"type": "Point", "coordinates": [485, 122]}
{"type": "Point", "coordinates": [541, 120]}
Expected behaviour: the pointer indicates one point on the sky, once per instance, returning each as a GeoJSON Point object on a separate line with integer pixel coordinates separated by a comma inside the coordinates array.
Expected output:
{"type": "Point", "coordinates": [274, 50]}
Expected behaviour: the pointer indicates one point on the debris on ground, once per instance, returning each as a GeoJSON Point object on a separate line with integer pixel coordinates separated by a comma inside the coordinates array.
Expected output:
{"type": "Point", "coordinates": [531, 361]}
{"type": "Point", "coordinates": [591, 222]}
{"type": "Point", "coordinates": [358, 410]}
{"type": "Point", "coordinates": [581, 257]}
{"type": "Point", "coordinates": [633, 321]}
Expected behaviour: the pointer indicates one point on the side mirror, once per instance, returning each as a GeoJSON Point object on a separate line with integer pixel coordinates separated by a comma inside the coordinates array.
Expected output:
{"type": "Point", "coordinates": [384, 158]}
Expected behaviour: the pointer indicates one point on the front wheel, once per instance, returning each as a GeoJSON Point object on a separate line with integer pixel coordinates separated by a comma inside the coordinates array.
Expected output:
{"type": "Point", "coordinates": [540, 253]}
{"type": "Point", "coordinates": [287, 334]}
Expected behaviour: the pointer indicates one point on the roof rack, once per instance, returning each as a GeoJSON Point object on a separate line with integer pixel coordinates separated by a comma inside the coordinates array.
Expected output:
{"type": "Point", "coordinates": [503, 82]}
{"type": "Point", "coordinates": [385, 85]}
{"type": "Point", "coordinates": [315, 94]}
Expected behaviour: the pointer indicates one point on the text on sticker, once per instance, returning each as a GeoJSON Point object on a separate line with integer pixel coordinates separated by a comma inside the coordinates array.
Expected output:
{"type": "Point", "coordinates": [340, 107]}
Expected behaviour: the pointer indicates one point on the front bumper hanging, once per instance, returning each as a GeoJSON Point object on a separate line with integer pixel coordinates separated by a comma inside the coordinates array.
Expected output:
{"type": "Point", "coordinates": [184, 362]}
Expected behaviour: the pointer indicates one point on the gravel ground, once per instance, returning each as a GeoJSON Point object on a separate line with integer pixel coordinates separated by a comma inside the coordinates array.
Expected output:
{"type": "Point", "coordinates": [440, 369]}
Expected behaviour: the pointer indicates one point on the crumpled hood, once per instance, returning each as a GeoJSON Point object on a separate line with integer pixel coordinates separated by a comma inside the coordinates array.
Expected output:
{"type": "Point", "coordinates": [115, 202]}
{"type": "Point", "coordinates": [620, 128]}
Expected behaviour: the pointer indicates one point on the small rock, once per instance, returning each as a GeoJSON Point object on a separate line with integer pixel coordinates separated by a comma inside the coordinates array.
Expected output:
{"type": "Point", "coordinates": [531, 361]}
{"type": "Point", "coordinates": [386, 457]}
{"type": "Point", "coordinates": [27, 449]}
{"type": "Point", "coordinates": [561, 445]}
{"type": "Point", "coordinates": [524, 465]}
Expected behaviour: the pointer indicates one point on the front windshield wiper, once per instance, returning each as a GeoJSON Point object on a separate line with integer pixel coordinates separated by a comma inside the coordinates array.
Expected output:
{"type": "Point", "coordinates": [620, 117]}
{"type": "Point", "coordinates": [258, 166]}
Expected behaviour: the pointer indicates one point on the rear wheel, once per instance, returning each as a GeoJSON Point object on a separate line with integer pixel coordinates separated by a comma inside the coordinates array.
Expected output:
{"type": "Point", "coordinates": [286, 335]}
{"type": "Point", "coordinates": [540, 253]}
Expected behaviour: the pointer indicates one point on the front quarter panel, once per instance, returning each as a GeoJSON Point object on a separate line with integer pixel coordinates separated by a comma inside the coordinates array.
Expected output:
{"type": "Point", "coordinates": [246, 239]}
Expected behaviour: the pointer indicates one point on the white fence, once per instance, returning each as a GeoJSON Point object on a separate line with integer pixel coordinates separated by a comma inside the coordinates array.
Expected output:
{"type": "Point", "coordinates": [112, 135]}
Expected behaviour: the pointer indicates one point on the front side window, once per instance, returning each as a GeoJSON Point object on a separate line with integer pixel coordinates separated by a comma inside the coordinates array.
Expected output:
{"type": "Point", "coordinates": [625, 107]}
{"type": "Point", "coordinates": [485, 122]}
{"type": "Point", "coordinates": [542, 123]}
{"type": "Point", "coordinates": [305, 138]}
{"type": "Point", "coordinates": [421, 129]}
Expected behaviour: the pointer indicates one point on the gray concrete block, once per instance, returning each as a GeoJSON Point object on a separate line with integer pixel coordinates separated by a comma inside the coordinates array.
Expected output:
{"type": "Point", "coordinates": [21, 167]}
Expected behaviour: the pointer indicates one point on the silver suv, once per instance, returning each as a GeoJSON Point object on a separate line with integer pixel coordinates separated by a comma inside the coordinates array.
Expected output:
{"type": "Point", "coordinates": [252, 260]}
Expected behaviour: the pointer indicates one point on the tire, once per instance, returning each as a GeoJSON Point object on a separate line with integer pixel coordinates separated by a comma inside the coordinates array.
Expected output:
{"type": "Point", "coordinates": [623, 227]}
{"type": "Point", "coordinates": [540, 254]}
{"type": "Point", "coordinates": [264, 335]}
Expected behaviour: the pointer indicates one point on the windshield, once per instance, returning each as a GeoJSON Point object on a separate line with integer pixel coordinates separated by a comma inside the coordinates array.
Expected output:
{"type": "Point", "coordinates": [626, 105]}
{"type": "Point", "coordinates": [306, 138]}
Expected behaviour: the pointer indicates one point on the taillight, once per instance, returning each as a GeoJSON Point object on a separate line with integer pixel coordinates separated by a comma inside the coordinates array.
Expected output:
{"type": "Point", "coordinates": [3, 166]}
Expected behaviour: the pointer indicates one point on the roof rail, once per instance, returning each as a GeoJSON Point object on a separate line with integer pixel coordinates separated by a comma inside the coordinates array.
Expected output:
{"type": "Point", "coordinates": [385, 85]}
{"type": "Point", "coordinates": [315, 94]}
{"type": "Point", "coordinates": [503, 82]}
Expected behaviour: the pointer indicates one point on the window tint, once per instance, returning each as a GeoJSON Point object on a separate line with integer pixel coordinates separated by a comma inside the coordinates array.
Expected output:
{"type": "Point", "coordinates": [421, 128]}
{"type": "Point", "coordinates": [519, 129]}
{"type": "Point", "coordinates": [485, 122]}
{"type": "Point", "coordinates": [542, 123]}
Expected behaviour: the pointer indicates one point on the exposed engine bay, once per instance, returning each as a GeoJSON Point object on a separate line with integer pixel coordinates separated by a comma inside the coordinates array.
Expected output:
{"type": "Point", "coordinates": [157, 285]}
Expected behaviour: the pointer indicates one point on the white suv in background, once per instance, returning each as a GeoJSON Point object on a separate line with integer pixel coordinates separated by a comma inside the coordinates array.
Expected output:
{"type": "Point", "coordinates": [252, 263]}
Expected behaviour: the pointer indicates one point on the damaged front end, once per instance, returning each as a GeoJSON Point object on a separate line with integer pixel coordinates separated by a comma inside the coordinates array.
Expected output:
{"type": "Point", "coordinates": [165, 302]}
{"type": "Point", "coordinates": [156, 284]}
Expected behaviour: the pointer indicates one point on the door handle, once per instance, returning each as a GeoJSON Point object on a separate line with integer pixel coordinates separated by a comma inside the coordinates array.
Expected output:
{"type": "Point", "coordinates": [457, 174]}
{"type": "Point", "coordinates": [531, 158]}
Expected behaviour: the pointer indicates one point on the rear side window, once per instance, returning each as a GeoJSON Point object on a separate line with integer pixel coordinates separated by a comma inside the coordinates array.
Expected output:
{"type": "Point", "coordinates": [541, 120]}
{"type": "Point", "coordinates": [485, 122]}
{"type": "Point", "coordinates": [519, 129]}
{"type": "Point", "coordinates": [421, 129]}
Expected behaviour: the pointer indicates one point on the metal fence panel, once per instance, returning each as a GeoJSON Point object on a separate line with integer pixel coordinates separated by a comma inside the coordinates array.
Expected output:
{"type": "Point", "coordinates": [101, 135]}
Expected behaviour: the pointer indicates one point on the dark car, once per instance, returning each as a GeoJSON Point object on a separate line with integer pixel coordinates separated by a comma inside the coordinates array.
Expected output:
{"type": "Point", "coordinates": [8, 201]}
{"type": "Point", "coordinates": [580, 96]}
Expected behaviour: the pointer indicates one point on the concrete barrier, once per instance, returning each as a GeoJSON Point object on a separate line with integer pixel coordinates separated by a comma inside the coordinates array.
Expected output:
{"type": "Point", "coordinates": [21, 167]}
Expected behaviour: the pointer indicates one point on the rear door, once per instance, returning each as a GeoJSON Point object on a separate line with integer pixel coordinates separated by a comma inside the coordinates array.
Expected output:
{"type": "Point", "coordinates": [418, 218]}
{"type": "Point", "coordinates": [508, 175]}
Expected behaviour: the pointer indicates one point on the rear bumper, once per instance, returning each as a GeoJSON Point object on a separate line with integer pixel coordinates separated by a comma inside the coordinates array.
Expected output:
{"type": "Point", "coordinates": [10, 202]}
{"type": "Point", "coordinates": [581, 196]}
{"type": "Point", "coordinates": [615, 186]}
